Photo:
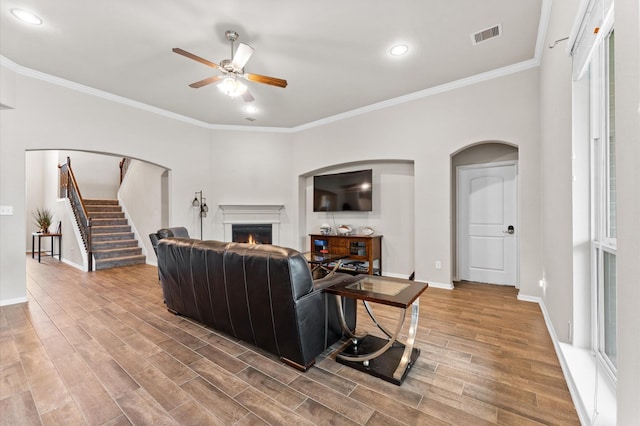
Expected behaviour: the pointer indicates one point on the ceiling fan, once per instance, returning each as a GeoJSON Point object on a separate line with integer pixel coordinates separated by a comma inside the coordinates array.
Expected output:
{"type": "Point", "coordinates": [232, 70]}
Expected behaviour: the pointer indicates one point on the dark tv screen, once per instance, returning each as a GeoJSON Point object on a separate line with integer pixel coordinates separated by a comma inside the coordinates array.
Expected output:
{"type": "Point", "coordinates": [349, 191]}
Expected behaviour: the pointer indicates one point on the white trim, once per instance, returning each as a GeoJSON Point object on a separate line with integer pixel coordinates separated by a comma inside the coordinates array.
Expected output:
{"type": "Point", "coordinates": [6, 62]}
{"type": "Point", "coordinates": [433, 284]}
{"type": "Point", "coordinates": [73, 264]}
{"type": "Point", "coordinates": [14, 301]}
{"type": "Point", "coordinates": [579, 393]}
{"type": "Point", "coordinates": [447, 87]}
{"type": "Point", "coordinates": [233, 214]}
{"type": "Point", "coordinates": [454, 85]}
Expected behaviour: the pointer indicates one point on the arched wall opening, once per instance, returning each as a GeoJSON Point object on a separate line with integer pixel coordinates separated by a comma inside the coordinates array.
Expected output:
{"type": "Point", "coordinates": [143, 194]}
{"type": "Point", "coordinates": [477, 153]}
{"type": "Point", "coordinates": [393, 213]}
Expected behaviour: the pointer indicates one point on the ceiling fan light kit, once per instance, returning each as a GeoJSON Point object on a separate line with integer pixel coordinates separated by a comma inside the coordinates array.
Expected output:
{"type": "Point", "coordinates": [231, 87]}
{"type": "Point", "coordinates": [232, 69]}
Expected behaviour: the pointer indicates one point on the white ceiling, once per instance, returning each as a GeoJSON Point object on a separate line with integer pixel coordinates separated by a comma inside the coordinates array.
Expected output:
{"type": "Point", "coordinates": [334, 54]}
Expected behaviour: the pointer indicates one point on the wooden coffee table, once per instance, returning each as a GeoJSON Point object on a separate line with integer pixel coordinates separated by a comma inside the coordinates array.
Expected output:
{"type": "Point", "coordinates": [387, 358]}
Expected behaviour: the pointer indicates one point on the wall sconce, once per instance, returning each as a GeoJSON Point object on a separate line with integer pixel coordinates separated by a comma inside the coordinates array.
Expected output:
{"type": "Point", "coordinates": [201, 202]}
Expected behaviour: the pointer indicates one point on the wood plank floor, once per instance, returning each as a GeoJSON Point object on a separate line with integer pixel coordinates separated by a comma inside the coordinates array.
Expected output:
{"type": "Point", "coordinates": [100, 348]}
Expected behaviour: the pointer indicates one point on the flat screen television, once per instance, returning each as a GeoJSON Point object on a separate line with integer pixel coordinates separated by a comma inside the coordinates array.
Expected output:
{"type": "Point", "coordinates": [349, 191]}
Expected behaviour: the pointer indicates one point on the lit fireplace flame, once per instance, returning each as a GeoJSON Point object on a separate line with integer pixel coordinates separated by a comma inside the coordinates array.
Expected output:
{"type": "Point", "coordinates": [251, 240]}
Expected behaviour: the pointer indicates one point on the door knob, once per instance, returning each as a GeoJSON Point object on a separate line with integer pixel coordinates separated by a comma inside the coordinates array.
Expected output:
{"type": "Point", "coordinates": [510, 230]}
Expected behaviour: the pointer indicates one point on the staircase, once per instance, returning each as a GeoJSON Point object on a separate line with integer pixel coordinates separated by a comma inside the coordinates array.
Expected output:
{"type": "Point", "coordinates": [113, 243]}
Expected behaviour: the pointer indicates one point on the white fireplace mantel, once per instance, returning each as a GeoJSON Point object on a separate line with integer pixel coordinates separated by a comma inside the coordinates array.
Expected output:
{"type": "Point", "coordinates": [252, 213]}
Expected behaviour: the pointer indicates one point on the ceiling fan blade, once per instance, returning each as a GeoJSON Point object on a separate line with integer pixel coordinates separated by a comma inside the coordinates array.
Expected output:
{"type": "Point", "coordinates": [266, 80]}
{"type": "Point", "coordinates": [248, 97]}
{"type": "Point", "coordinates": [206, 81]}
{"type": "Point", "coordinates": [242, 55]}
{"type": "Point", "coordinates": [195, 57]}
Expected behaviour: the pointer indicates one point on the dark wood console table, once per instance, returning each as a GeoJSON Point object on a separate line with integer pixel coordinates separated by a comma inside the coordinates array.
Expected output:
{"type": "Point", "coordinates": [362, 254]}
{"type": "Point", "coordinates": [41, 235]}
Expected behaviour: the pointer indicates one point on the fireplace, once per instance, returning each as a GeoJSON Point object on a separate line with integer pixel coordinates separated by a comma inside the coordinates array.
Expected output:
{"type": "Point", "coordinates": [251, 233]}
{"type": "Point", "coordinates": [260, 215]}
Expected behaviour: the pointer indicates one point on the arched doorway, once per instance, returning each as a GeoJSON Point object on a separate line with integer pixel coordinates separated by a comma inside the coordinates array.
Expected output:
{"type": "Point", "coordinates": [144, 192]}
{"type": "Point", "coordinates": [484, 199]}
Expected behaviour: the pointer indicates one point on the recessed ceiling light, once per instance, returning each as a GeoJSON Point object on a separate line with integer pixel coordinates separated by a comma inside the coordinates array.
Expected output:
{"type": "Point", "coordinates": [25, 16]}
{"type": "Point", "coordinates": [399, 49]}
{"type": "Point", "coordinates": [250, 109]}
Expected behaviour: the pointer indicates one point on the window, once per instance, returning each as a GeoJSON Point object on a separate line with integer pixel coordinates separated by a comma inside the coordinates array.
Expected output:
{"type": "Point", "coordinates": [604, 229]}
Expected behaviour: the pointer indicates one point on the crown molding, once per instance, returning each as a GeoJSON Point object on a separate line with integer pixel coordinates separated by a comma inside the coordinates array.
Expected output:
{"type": "Point", "coordinates": [447, 87]}
{"type": "Point", "coordinates": [28, 72]}
{"type": "Point", "coordinates": [545, 13]}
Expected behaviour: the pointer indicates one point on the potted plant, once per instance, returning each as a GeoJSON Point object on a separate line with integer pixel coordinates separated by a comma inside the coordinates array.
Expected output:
{"type": "Point", "coordinates": [43, 219]}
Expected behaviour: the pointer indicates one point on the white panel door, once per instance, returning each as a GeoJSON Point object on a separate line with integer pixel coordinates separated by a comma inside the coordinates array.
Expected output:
{"type": "Point", "coordinates": [487, 229]}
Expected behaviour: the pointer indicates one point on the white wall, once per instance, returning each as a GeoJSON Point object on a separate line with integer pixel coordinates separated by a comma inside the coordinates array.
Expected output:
{"type": "Point", "coordinates": [392, 215]}
{"type": "Point", "coordinates": [428, 131]}
{"type": "Point", "coordinates": [98, 175]}
{"type": "Point", "coordinates": [53, 117]}
{"type": "Point", "coordinates": [250, 168]}
{"type": "Point", "coordinates": [555, 208]}
{"type": "Point", "coordinates": [34, 186]}
{"type": "Point", "coordinates": [140, 196]}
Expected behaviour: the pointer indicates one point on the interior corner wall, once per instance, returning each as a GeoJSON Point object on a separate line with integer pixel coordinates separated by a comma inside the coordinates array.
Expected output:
{"type": "Point", "coordinates": [555, 209]}
{"type": "Point", "coordinates": [627, 57]}
{"type": "Point", "coordinates": [251, 168]}
{"type": "Point", "coordinates": [140, 197]}
{"type": "Point", "coordinates": [34, 190]}
{"type": "Point", "coordinates": [428, 131]}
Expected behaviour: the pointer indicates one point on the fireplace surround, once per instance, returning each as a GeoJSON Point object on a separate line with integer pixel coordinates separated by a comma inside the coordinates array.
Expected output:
{"type": "Point", "coordinates": [251, 214]}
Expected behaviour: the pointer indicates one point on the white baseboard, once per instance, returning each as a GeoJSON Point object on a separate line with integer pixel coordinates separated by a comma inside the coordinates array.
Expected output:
{"type": "Point", "coordinates": [73, 264]}
{"type": "Point", "coordinates": [433, 284]}
{"type": "Point", "coordinates": [577, 391]}
{"type": "Point", "coordinates": [14, 301]}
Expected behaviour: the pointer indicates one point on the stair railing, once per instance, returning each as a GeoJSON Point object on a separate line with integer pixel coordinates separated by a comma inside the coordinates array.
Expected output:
{"type": "Point", "coordinates": [124, 166]}
{"type": "Point", "coordinates": [69, 189]}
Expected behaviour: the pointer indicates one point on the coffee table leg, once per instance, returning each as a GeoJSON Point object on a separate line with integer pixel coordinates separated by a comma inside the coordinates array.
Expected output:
{"type": "Point", "coordinates": [343, 322]}
{"type": "Point", "coordinates": [39, 248]}
{"type": "Point", "coordinates": [33, 253]}
{"type": "Point", "coordinates": [376, 322]}
{"type": "Point", "coordinates": [366, 357]}
{"type": "Point", "coordinates": [411, 338]}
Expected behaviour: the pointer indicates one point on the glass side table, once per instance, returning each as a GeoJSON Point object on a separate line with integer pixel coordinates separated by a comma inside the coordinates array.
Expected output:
{"type": "Point", "coordinates": [387, 358]}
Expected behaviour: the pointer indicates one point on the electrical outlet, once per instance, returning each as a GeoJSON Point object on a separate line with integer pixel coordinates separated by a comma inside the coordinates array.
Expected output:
{"type": "Point", "coordinates": [6, 210]}
{"type": "Point", "coordinates": [438, 264]}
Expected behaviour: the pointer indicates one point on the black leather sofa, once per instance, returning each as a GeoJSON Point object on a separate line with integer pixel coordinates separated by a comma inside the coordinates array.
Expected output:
{"type": "Point", "coordinates": [178, 231]}
{"type": "Point", "coordinates": [261, 294]}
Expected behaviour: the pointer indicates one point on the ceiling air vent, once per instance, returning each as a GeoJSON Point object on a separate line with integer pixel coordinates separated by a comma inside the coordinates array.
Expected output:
{"type": "Point", "coordinates": [487, 34]}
